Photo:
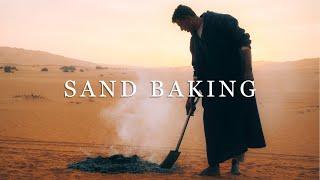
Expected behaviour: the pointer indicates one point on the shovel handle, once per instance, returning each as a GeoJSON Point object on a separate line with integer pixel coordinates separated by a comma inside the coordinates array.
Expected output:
{"type": "Point", "coordinates": [186, 124]}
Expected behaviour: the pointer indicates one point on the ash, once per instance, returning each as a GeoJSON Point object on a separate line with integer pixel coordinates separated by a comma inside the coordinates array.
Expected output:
{"type": "Point", "coordinates": [118, 164]}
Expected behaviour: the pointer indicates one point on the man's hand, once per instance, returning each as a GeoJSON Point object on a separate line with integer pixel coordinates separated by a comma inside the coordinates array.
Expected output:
{"type": "Point", "coordinates": [190, 105]}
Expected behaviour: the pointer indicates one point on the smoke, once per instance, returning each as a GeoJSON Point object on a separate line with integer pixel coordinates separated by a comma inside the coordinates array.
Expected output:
{"type": "Point", "coordinates": [140, 120]}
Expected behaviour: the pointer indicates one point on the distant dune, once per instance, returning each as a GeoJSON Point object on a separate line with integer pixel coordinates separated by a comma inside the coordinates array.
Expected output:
{"type": "Point", "coordinates": [312, 63]}
{"type": "Point", "coordinates": [21, 56]}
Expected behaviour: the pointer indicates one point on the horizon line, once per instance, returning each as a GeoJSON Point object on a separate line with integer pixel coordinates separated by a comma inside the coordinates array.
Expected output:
{"type": "Point", "coordinates": [146, 66]}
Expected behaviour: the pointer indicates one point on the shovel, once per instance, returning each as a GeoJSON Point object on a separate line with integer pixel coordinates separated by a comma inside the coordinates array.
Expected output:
{"type": "Point", "coordinates": [173, 155]}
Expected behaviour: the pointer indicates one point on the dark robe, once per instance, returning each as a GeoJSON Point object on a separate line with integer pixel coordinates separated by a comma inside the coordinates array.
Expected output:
{"type": "Point", "coordinates": [231, 124]}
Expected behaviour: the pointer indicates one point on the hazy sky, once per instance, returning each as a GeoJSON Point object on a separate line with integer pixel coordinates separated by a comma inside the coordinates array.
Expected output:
{"type": "Point", "coordinates": [141, 33]}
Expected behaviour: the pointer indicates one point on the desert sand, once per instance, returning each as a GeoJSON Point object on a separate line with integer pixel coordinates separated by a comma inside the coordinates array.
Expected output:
{"type": "Point", "coordinates": [42, 132]}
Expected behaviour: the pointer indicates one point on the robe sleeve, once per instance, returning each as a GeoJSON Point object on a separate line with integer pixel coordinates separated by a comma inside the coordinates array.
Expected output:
{"type": "Point", "coordinates": [195, 73]}
{"type": "Point", "coordinates": [238, 34]}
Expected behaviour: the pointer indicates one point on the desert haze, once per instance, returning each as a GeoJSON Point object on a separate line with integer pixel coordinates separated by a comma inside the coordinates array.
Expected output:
{"type": "Point", "coordinates": [42, 132]}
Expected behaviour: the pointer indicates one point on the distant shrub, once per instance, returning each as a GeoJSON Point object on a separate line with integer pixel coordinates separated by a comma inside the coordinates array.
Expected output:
{"type": "Point", "coordinates": [81, 70]}
{"type": "Point", "coordinates": [30, 96]}
{"type": "Point", "coordinates": [68, 68]}
{"type": "Point", "coordinates": [100, 67]}
{"type": "Point", "coordinates": [9, 69]}
{"type": "Point", "coordinates": [1, 67]}
{"type": "Point", "coordinates": [44, 69]}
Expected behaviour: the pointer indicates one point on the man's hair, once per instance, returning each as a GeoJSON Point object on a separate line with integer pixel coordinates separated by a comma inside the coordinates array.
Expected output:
{"type": "Point", "coordinates": [182, 12]}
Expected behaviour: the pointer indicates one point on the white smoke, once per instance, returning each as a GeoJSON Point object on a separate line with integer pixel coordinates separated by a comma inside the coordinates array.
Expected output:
{"type": "Point", "coordinates": [141, 120]}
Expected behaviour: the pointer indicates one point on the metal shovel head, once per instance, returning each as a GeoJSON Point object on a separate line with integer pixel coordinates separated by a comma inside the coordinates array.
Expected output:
{"type": "Point", "coordinates": [170, 159]}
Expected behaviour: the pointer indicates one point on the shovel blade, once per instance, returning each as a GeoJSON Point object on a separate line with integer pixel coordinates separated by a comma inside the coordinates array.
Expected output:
{"type": "Point", "coordinates": [170, 159]}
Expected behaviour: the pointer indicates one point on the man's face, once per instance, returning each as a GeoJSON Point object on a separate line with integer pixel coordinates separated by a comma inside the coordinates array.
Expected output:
{"type": "Point", "coordinates": [185, 24]}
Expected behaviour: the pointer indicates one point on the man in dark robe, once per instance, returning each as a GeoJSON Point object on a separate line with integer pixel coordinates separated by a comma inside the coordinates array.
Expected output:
{"type": "Point", "coordinates": [221, 51]}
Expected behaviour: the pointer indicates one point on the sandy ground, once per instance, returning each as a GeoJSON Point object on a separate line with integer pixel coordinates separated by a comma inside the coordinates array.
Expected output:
{"type": "Point", "coordinates": [41, 132]}
{"type": "Point", "coordinates": [41, 159]}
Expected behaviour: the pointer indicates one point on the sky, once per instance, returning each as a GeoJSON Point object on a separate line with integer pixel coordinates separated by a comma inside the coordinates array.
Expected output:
{"type": "Point", "coordinates": [140, 33]}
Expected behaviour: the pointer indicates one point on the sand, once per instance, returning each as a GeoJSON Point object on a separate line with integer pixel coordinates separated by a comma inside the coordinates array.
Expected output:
{"type": "Point", "coordinates": [41, 132]}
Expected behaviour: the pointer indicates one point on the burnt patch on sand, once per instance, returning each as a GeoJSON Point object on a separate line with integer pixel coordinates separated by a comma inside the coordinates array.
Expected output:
{"type": "Point", "coordinates": [118, 164]}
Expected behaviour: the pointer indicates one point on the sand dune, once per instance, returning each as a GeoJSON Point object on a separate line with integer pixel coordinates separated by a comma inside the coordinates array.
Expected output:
{"type": "Point", "coordinates": [30, 57]}
{"type": "Point", "coordinates": [41, 132]}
